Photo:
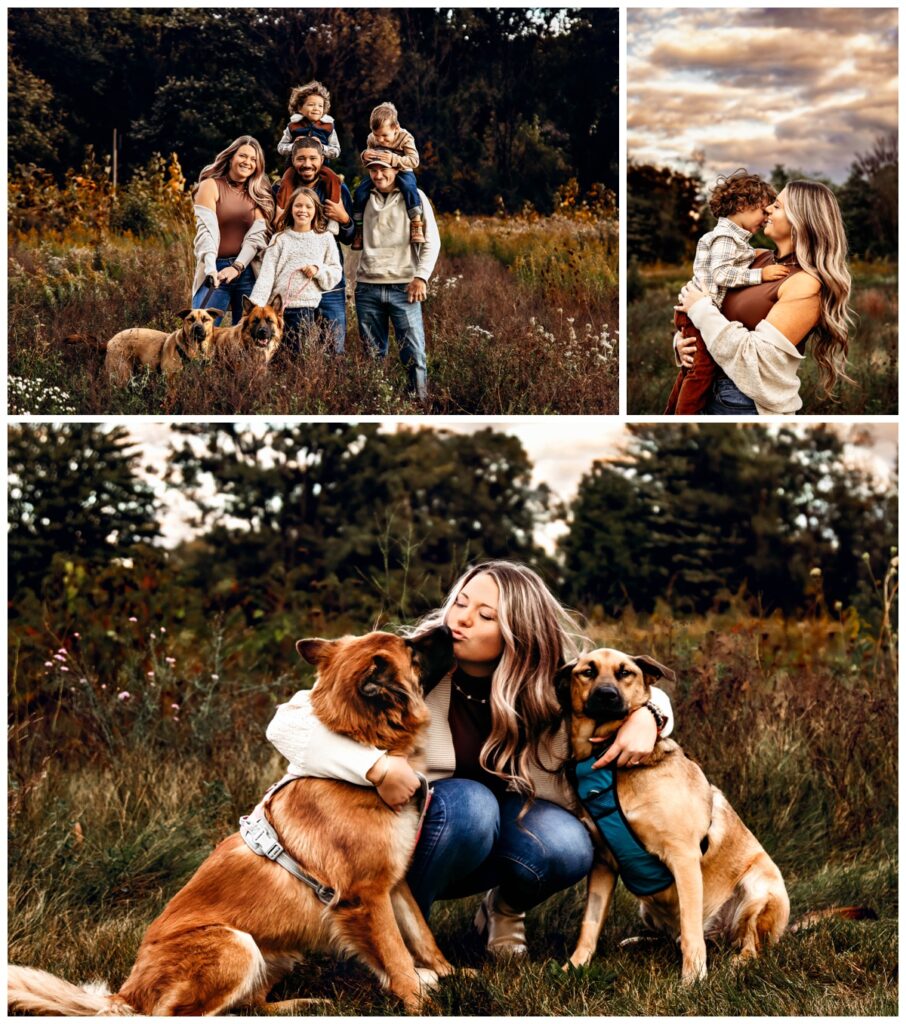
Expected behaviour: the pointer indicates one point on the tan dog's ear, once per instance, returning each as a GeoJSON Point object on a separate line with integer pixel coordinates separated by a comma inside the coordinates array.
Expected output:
{"type": "Point", "coordinates": [563, 685]}
{"type": "Point", "coordinates": [314, 651]}
{"type": "Point", "coordinates": [653, 668]}
{"type": "Point", "coordinates": [215, 312]}
{"type": "Point", "coordinates": [183, 313]}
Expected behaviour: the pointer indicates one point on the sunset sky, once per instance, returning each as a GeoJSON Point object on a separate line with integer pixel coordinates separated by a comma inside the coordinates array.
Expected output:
{"type": "Point", "coordinates": [809, 88]}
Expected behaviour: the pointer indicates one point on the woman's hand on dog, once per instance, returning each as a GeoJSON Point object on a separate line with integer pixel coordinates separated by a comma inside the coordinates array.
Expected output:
{"type": "Point", "coordinates": [399, 783]}
{"type": "Point", "coordinates": [635, 740]}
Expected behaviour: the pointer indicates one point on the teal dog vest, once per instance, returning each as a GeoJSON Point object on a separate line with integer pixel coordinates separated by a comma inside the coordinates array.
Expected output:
{"type": "Point", "coordinates": [643, 874]}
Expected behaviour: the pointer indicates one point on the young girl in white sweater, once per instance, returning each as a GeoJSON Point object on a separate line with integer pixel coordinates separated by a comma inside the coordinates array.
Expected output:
{"type": "Point", "coordinates": [300, 264]}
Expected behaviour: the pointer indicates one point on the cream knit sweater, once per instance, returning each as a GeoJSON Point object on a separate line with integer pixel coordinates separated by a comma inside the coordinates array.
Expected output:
{"type": "Point", "coordinates": [763, 364]}
{"type": "Point", "coordinates": [282, 263]}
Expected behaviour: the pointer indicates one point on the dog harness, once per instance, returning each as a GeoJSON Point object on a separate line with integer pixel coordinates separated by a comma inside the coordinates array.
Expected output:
{"type": "Point", "coordinates": [261, 837]}
{"type": "Point", "coordinates": [642, 872]}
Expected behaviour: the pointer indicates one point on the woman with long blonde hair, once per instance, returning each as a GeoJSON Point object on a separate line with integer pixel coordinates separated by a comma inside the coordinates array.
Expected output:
{"type": "Point", "coordinates": [758, 337]}
{"type": "Point", "coordinates": [501, 819]}
{"type": "Point", "coordinates": [234, 207]}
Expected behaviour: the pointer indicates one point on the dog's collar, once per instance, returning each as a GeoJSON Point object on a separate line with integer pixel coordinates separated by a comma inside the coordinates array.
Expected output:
{"type": "Point", "coordinates": [183, 354]}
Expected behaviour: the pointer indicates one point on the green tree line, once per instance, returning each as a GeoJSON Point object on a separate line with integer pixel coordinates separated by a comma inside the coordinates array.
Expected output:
{"type": "Point", "coordinates": [668, 211]}
{"type": "Point", "coordinates": [346, 522]}
{"type": "Point", "coordinates": [508, 102]}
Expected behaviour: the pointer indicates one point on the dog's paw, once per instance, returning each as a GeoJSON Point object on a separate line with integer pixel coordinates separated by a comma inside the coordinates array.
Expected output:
{"type": "Point", "coordinates": [694, 973]}
{"type": "Point", "coordinates": [427, 978]}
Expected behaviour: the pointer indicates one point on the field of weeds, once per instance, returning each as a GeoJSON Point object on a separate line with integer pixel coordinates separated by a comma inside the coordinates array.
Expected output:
{"type": "Point", "coordinates": [521, 318]}
{"type": "Point", "coordinates": [124, 776]}
{"type": "Point", "coordinates": [872, 353]}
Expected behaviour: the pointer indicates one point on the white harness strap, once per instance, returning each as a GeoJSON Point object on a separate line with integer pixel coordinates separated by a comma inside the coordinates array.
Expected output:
{"type": "Point", "coordinates": [261, 837]}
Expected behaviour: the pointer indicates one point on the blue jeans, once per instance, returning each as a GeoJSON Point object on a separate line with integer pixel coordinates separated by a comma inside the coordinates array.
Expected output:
{"type": "Point", "coordinates": [227, 296]}
{"type": "Point", "coordinates": [470, 842]}
{"type": "Point", "coordinates": [405, 182]}
{"type": "Point", "coordinates": [728, 400]}
{"type": "Point", "coordinates": [377, 305]}
{"type": "Point", "coordinates": [332, 314]}
{"type": "Point", "coordinates": [295, 321]}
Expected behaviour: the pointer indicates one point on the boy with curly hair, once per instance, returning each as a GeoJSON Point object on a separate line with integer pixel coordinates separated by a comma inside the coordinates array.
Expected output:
{"type": "Point", "coordinates": [722, 261]}
{"type": "Point", "coordinates": [308, 106]}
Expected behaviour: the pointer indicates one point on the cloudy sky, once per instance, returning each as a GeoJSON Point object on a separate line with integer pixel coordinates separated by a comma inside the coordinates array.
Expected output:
{"type": "Point", "coordinates": [561, 449]}
{"type": "Point", "coordinates": [808, 88]}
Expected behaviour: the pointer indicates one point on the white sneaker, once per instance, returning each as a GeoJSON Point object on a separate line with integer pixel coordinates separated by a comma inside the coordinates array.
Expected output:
{"type": "Point", "coordinates": [503, 926]}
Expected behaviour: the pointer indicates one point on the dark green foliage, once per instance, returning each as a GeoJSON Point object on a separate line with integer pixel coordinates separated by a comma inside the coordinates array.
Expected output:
{"type": "Point", "coordinates": [74, 491]}
{"type": "Point", "coordinates": [502, 102]}
{"type": "Point", "coordinates": [694, 513]}
{"type": "Point", "coordinates": [662, 213]}
{"type": "Point", "coordinates": [345, 518]}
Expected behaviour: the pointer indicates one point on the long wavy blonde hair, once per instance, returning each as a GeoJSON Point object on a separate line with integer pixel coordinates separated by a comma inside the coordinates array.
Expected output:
{"type": "Point", "coordinates": [258, 185]}
{"type": "Point", "coordinates": [820, 245]}
{"type": "Point", "coordinates": [538, 634]}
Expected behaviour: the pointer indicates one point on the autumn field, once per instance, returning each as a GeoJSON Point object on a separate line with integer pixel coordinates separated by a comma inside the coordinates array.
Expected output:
{"type": "Point", "coordinates": [521, 316]}
{"type": "Point", "coordinates": [872, 354]}
{"type": "Point", "coordinates": [795, 719]}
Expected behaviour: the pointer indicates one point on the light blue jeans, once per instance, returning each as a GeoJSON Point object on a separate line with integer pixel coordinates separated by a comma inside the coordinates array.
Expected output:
{"type": "Point", "coordinates": [379, 305]}
{"type": "Point", "coordinates": [471, 842]}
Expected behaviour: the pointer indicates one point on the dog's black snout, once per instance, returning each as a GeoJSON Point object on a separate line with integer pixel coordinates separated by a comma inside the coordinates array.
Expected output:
{"type": "Point", "coordinates": [605, 702]}
{"type": "Point", "coordinates": [434, 652]}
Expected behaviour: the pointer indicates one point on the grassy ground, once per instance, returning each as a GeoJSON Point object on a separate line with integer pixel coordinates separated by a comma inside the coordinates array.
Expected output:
{"type": "Point", "coordinates": [872, 354]}
{"type": "Point", "coordinates": [794, 719]}
{"type": "Point", "coordinates": [521, 319]}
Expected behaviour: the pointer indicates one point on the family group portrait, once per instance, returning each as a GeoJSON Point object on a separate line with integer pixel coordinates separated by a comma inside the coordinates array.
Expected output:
{"type": "Point", "coordinates": [452, 718]}
{"type": "Point", "coordinates": [762, 211]}
{"type": "Point", "coordinates": [334, 211]}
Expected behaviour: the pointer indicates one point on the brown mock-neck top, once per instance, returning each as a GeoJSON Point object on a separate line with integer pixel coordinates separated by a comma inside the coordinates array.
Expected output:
{"type": "Point", "coordinates": [235, 215]}
{"type": "Point", "coordinates": [750, 305]}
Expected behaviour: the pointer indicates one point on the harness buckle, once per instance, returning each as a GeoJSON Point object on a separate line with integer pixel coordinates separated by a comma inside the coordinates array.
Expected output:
{"type": "Point", "coordinates": [259, 835]}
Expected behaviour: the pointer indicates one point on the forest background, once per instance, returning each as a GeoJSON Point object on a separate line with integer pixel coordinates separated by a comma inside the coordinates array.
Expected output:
{"type": "Point", "coordinates": [759, 562]}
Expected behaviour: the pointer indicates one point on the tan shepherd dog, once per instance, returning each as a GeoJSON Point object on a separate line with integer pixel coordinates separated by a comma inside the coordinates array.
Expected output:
{"type": "Point", "coordinates": [242, 921]}
{"type": "Point", "coordinates": [142, 346]}
{"type": "Point", "coordinates": [732, 890]}
{"type": "Point", "coordinates": [259, 332]}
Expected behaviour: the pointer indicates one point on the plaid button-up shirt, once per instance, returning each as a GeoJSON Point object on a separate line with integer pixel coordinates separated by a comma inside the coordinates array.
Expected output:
{"type": "Point", "coordinates": [722, 259]}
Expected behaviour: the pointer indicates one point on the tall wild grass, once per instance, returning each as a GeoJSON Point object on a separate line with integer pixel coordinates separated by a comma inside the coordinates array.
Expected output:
{"type": "Point", "coordinates": [872, 361]}
{"type": "Point", "coordinates": [115, 800]}
{"type": "Point", "coordinates": [521, 315]}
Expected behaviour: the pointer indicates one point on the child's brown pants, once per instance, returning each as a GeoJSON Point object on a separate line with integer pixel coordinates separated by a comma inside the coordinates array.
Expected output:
{"type": "Point", "coordinates": [692, 387]}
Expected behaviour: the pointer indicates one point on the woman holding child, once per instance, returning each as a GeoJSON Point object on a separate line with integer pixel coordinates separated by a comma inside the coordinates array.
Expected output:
{"type": "Point", "coordinates": [501, 816]}
{"type": "Point", "coordinates": [234, 206]}
{"type": "Point", "coordinates": [758, 335]}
